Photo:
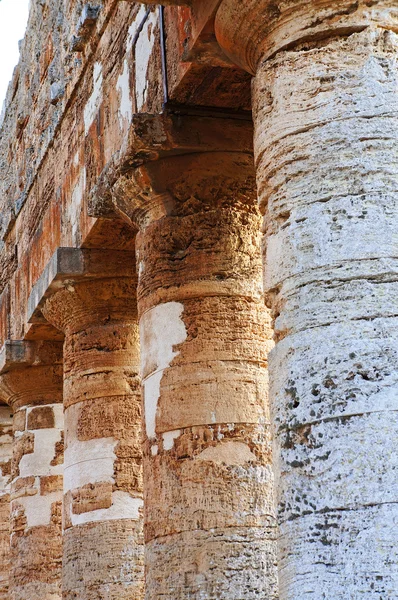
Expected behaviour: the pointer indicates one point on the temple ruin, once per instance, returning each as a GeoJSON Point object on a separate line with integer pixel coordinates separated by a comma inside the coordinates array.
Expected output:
{"type": "Point", "coordinates": [198, 322]}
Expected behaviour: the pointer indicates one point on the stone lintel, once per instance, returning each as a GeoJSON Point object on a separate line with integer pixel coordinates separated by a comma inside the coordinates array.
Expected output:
{"type": "Point", "coordinates": [19, 354]}
{"type": "Point", "coordinates": [71, 265]}
{"type": "Point", "coordinates": [153, 137]}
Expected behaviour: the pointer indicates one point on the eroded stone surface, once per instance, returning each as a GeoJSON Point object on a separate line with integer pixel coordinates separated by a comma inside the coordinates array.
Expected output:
{"type": "Point", "coordinates": [103, 545]}
{"type": "Point", "coordinates": [32, 385]}
{"type": "Point", "coordinates": [325, 145]}
{"type": "Point", "coordinates": [208, 484]}
{"type": "Point", "coordinates": [6, 437]}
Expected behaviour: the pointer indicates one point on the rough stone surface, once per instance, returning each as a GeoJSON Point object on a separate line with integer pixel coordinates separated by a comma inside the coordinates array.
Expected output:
{"type": "Point", "coordinates": [103, 544]}
{"type": "Point", "coordinates": [204, 342]}
{"type": "Point", "coordinates": [326, 150]}
{"type": "Point", "coordinates": [126, 138]}
{"type": "Point", "coordinates": [6, 436]}
{"type": "Point", "coordinates": [34, 392]}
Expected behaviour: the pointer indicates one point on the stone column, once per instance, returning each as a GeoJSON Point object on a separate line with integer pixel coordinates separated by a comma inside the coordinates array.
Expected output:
{"type": "Point", "coordinates": [5, 479]}
{"type": "Point", "coordinates": [31, 383]}
{"type": "Point", "coordinates": [326, 129]}
{"type": "Point", "coordinates": [103, 545]}
{"type": "Point", "coordinates": [204, 332]}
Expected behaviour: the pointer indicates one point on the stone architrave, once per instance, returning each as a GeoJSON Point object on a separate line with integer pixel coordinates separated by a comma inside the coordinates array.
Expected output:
{"type": "Point", "coordinates": [91, 297]}
{"type": "Point", "coordinates": [31, 383]}
{"type": "Point", "coordinates": [325, 108]}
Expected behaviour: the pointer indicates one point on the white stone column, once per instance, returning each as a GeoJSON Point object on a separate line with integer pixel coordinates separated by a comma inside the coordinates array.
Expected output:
{"type": "Point", "coordinates": [325, 108]}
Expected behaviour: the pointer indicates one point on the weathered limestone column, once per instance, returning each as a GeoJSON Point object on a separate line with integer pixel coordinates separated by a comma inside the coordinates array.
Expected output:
{"type": "Point", "coordinates": [209, 506]}
{"type": "Point", "coordinates": [103, 545]}
{"type": "Point", "coordinates": [31, 383]}
{"type": "Point", "coordinates": [5, 480]}
{"type": "Point", "coordinates": [326, 130]}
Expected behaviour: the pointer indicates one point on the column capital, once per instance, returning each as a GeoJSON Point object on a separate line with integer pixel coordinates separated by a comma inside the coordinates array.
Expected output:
{"type": "Point", "coordinates": [173, 202]}
{"type": "Point", "coordinates": [136, 170]}
{"type": "Point", "coordinates": [255, 30]}
{"type": "Point", "coordinates": [43, 359]}
{"type": "Point", "coordinates": [174, 185]}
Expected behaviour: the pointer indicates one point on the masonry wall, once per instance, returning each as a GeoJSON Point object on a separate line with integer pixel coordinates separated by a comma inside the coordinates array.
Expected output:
{"type": "Point", "coordinates": [67, 112]}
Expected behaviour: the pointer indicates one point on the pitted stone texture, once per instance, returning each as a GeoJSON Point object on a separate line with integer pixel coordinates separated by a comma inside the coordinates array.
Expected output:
{"type": "Point", "coordinates": [326, 125]}
{"type": "Point", "coordinates": [6, 437]}
{"type": "Point", "coordinates": [103, 549]}
{"type": "Point", "coordinates": [340, 543]}
{"type": "Point", "coordinates": [224, 337]}
{"type": "Point", "coordinates": [104, 561]}
{"type": "Point", "coordinates": [237, 563]}
{"type": "Point", "coordinates": [33, 387]}
{"type": "Point", "coordinates": [36, 507]}
{"type": "Point", "coordinates": [225, 468]}
{"type": "Point", "coordinates": [210, 215]}
{"type": "Point", "coordinates": [205, 335]}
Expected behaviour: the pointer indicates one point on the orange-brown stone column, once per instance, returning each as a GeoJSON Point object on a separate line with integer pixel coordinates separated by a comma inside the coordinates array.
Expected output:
{"type": "Point", "coordinates": [31, 382]}
{"type": "Point", "coordinates": [204, 332]}
{"type": "Point", "coordinates": [103, 545]}
{"type": "Point", "coordinates": [5, 480]}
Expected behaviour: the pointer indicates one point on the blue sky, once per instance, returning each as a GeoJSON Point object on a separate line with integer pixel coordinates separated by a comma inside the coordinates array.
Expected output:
{"type": "Point", "coordinates": [13, 18]}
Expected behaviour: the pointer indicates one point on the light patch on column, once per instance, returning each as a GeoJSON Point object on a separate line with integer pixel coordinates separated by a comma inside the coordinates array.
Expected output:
{"type": "Point", "coordinates": [154, 449]}
{"type": "Point", "coordinates": [38, 508]}
{"type": "Point", "coordinates": [143, 52]}
{"type": "Point", "coordinates": [89, 461]}
{"type": "Point", "coordinates": [229, 453]}
{"type": "Point", "coordinates": [161, 329]}
{"type": "Point", "coordinates": [134, 27]}
{"type": "Point", "coordinates": [126, 104]}
{"type": "Point", "coordinates": [169, 437]}
{"type": "Point", "coordinates": [6, 440]}
{"type": "Point", "coordinates": [123, 506]}
{"type": "Point", "coordinates": [94, 102]}
{"type": "Point", "coordinates": [38, 463]}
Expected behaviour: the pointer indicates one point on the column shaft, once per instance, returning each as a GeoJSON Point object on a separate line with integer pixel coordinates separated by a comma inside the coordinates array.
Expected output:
{"type": "Point", "coordinates": [209, 506]}
{"type": "Point", "coordinates": [5, 480]}
{"type": "Point", "coordinates": [327, 155]}
{"type": "Point", "coordinates": [33, 388]}
{"type": "Point", "coordinates": [325, 109]}
{"type": "Point", "coordinates": [103, 545]}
